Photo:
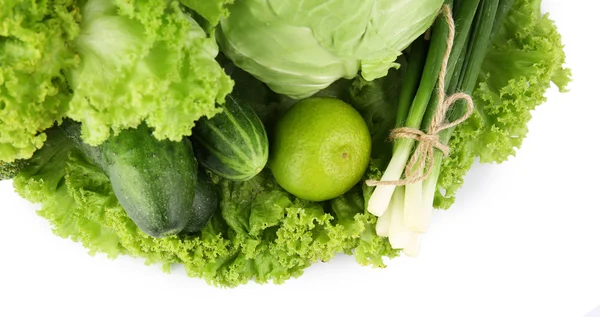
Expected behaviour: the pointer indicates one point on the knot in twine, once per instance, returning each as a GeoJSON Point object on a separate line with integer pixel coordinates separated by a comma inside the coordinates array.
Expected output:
{"type": "Point", "coordinates": [421, 163]}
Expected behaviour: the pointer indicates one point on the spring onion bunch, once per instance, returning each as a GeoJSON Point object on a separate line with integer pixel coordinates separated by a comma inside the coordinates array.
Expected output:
{"type": "Point", "coordinates": [405, 211]}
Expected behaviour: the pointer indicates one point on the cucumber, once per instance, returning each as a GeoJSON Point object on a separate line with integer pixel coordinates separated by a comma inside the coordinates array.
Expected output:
{"type": "Point", "coordinates": [233, 144]}
{"type": "Point", "coordinates": [206, 203]}
{"type": "Point", "coordinates": [153, 180]}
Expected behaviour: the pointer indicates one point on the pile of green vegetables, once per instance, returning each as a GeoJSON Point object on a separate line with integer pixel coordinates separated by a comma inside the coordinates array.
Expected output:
{"type": "Point", "coordinates": [143, 127]}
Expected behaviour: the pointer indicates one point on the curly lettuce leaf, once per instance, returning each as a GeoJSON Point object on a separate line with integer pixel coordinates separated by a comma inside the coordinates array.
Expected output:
{"type": "Point", "coordinates": [108, 64]}
{"type": "Point", "coordinates": [262, 233]}
{"type": "Point", "coordinates": [211, 10]}
{"type": "Point", "coordinates": [143, 61]}
{"type": "Point", "coordinates": [33, 90]}
{"type": "Point", "coordinates": [12, 169]}
{"type": "Point", "coordinates": [525, 59]}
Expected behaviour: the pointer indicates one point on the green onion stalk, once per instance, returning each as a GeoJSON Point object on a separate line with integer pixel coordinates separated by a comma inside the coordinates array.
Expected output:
{"type": "Point", "coordinates": [469, 75]}
{"type": "Point", "coordinates": [382, 195]}
{"type": "Point", "coordinates": [405, 211]}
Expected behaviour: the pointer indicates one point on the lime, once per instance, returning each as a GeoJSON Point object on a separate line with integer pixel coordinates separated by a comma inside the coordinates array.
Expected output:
{"type": "Point", "coordinates": [320, 149]}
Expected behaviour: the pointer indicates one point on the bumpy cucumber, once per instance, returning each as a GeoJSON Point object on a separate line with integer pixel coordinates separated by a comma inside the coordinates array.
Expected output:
{"type": "Point", "coordinates": [233, 144]}
{"type": "Point", "coordinates": [153, 180]}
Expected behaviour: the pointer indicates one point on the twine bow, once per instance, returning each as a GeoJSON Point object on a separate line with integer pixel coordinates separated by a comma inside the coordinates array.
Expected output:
{"type": "Point", "coordinates": [422, 161]}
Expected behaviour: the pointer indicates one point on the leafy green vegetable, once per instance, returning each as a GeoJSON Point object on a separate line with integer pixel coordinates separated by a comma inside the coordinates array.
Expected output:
{"type": "Point", "coordinates": [262, 232]}
{"type": "Point", "coordinates": [33, 90]}
{"type": "Point", "coordinates": [211, 10]}
{"type": "Point", "coordinates": [10, 170]}
{"type": "Point", "coordinates": [375, 100]}
{"type": "Point", "coordinates": [301, 47]}
{"type": "Point", "coordinates": [526, 57]}
{"type": "Point", "coordinates": [143, 61]}
{"type": "Point", "coordinates": [108, 64]}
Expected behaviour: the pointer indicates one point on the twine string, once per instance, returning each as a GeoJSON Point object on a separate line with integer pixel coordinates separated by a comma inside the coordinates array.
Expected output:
{"type": "Point", "coordinates": [421, 164]}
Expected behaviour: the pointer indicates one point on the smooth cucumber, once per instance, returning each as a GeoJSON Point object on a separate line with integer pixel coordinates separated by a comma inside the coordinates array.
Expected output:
{"type": "Point", "coordinates": [153, 180]}
{"type": "Point", "coordinates": [233, 144]}
{"type": "Point", "coordinates": [206, 203]}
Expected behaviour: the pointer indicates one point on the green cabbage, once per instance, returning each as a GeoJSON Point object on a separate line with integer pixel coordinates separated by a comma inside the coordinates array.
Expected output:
{"type": "Point", "coordinates": [301, 47]}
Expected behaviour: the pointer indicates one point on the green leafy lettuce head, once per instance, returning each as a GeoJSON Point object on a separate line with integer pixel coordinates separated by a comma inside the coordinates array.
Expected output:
{"type": "Point", "coordinates": [33, 89]}
{"type": "Point", "coordinates": [143, 61]}
{"type": "Point", "coordinates": [301, 47]}
{"type": "Point", "coordinates": [109, 64]}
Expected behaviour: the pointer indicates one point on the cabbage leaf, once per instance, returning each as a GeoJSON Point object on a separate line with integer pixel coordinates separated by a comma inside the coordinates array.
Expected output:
{"type": "Point", "coordinates": [301, 47]}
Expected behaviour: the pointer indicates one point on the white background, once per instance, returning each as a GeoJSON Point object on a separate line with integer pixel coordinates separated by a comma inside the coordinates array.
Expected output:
{"type": "Point", "coordinates": [523, 238]}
